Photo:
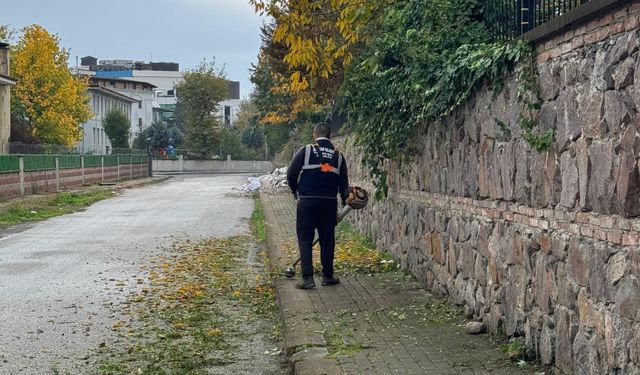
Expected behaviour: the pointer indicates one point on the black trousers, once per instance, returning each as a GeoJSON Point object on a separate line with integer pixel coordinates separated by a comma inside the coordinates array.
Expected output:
{"type": "Point", "coordinates": [321, 215]}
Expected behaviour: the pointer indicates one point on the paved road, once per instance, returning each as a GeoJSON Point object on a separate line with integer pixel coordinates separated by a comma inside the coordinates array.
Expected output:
{"type": "Point", "coordinates": [60, 279]}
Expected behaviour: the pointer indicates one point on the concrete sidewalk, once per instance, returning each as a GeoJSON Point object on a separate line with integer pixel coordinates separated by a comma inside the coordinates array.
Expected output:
{"type": "Point", "coordinates": [371, 324]}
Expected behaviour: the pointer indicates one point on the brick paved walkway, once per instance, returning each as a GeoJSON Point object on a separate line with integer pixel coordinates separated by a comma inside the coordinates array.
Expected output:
{"type": "Point", "coordinates": [372, 324]}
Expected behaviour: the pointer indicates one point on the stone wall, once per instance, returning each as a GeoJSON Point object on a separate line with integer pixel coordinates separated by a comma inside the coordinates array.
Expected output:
{"type": "Point", "coordinates": [539, 245]}
{"type": "Point", "coordinates": [225, 166]}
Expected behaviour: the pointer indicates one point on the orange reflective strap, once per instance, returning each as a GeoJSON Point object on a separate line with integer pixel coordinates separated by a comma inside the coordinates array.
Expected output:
{"type": "Point", "coordinates": [326, 167]}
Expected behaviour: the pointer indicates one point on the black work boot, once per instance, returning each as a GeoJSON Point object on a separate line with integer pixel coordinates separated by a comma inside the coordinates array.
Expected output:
{"type": "Point", "coordinates": [330, 281]}
{"type": "Point", "coordinates": [306, 283]}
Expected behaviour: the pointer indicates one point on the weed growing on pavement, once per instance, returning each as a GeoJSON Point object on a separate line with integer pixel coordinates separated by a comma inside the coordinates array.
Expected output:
{"type": "Point", "coordinates": [338, 347]}
{"type": "Point", "coordinates": [204, 303]}
{"type": "Point", "coordinates": [355, 253]}
{"type": "Point", "coordinates": [514, 349]}
{"type": "Point", "coordinates": [257, 220]}
{"type": "Point", "coordinates": [50, 206]}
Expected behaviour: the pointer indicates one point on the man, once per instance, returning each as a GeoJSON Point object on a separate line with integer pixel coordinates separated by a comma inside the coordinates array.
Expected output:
{"type": "Point", "coordinates": [317, 173]}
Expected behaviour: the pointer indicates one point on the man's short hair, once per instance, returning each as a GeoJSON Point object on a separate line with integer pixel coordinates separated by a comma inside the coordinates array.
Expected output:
{"type": "Point", "coordinates": [322, 130]}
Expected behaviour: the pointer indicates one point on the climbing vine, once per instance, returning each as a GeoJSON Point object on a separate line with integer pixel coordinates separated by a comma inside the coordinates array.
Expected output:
{"type": "Point", "coordinates": [426, 59]}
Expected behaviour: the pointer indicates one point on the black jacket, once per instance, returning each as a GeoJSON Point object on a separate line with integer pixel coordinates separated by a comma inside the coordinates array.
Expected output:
{"type": "Point", "coordinates": [313, 183]}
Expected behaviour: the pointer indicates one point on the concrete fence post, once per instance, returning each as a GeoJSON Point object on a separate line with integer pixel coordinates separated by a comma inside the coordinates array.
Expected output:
{"type": "Point", "coordinates": [102, 167]}
{"type": "Point", "coordinates": [118, 162]}
{"type": "Point", "coordinates": [227, 165]}
{"type": "Point", "coordinates": [57, 161]}
{"type": "Point", "coordinates": [181, 163]}
{"type": "Point", "coordinates": [131, 167]}
{"type": "Point", "coordinates": [82, 167]}
{"type": "Point", "coordinates": [21, 164]}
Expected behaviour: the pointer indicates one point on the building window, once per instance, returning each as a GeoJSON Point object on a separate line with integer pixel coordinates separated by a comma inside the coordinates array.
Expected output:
{"type": "Point", "coordinates": [140, 104]}
{"type": "Point", "coordinates": [140, 122]}
{"type": "Point", "coordinates": [227, 115]}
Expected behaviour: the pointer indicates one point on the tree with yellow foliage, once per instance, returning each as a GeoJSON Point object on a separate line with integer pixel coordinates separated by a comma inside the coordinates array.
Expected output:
{"type": "Point", "coordinates": [47, 98]}
{"type": "Point", "coordinates": [321, 37]}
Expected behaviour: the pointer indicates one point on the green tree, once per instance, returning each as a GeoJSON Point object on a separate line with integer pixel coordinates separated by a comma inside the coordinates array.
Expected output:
{"type": "Point", "coordinates": [199, 95]}
{"type": "Point", "coordinates": [47, 98]}
{"type": "Point", "coordinates": [117, 126]}
{"type": "Point", "coordinates": [160, 136]}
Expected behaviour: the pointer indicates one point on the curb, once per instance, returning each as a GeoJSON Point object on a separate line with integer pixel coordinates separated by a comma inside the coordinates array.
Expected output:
{"type": "Point", "coordinates": [130, 184]}
{"type": "Point", "coordinates": [305, 347]}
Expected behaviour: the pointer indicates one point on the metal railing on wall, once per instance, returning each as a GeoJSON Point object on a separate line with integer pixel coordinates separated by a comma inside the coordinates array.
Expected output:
{"type": "Point", "coordinates": [27, 163]}
{"type": "Point", "coordinates": [510, 19]}
{"type": "Point", "coordinates": [28, 148]}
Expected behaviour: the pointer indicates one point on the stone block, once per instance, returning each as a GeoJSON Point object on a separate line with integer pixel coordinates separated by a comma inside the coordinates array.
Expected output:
{"type": "Point", "coordinates": [623, 74]}
{"type": "Point", "coordinates": [617, 336]}
{"type": "Point", "coordinates": [566, 330]}
{"type": "Point", "coordinates": [570, 184]}
{"type": "Point", "coordinates": [480, 270]}
{"type": "Point", "coordinates": [634, 346]}
{"type": "Point", "coordinates": [601, 77]}
{"type": "Point", "coordinates": [601, 184]}
{"type": "Point", "coordinates": [627, 298]}
{"type": "Point", "coordinates": [546, 345]}
{"type": "Point", "coordinates": [539, 193]}
{"type": "Point", "coordinates": [508, 171]}
{"type": "Point", "coordinates": [591, 114]}
{"type": "Point", "coordinates": [495, 174]}
{"type": "Point", "coordinates": [465, 260]}
{"type": "Point", "coordinates": [584, 172]}
{"type": "Point", "coordinates": [569, 125]}
{"type": "Point", "coordinates": [567, 288]}
{"type": "Point", "coordinates": [627, 175]}
{"type": "Point", "coordinates": [544, 283]}
{"type": "Point", "coordinates": [549, 78]}
{"type": "Point", "coordinates": [598, 285]}
{"type": "Point", "coordinates": [586, 356]}
{"type": "Point", "coordinates": [559, 246]}
{"type": "Point", "coordinates": [618, 110]}
{"type": "Point", "coordinates": [578, 261]}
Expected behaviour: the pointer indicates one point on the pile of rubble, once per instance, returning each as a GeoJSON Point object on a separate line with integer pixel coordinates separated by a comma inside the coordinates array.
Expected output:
{"type": "Point", "coordinates": [274, 180]}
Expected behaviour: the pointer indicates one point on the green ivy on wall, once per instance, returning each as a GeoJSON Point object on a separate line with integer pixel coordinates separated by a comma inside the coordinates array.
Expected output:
{"type": "Point", "coordinates": [425, 59]}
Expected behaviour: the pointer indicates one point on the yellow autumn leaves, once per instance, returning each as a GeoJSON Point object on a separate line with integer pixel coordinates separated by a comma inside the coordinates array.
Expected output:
{"type": "Point", "coordinates": [354, 254]}
{"type": "Point", "coordinates": [47, 96]}
{"type": "Point", "coordinates": [320, 37]}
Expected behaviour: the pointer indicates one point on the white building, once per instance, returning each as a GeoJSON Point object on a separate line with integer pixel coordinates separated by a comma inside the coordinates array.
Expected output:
{"type": "Point", "coordinates": [5, 93]}
{"type": "Point", "coordinates": [102, 100]}
{"type": "Point", "coordinates": [143, 92]}
{"type": "Point", "coordinates": [165, 77]}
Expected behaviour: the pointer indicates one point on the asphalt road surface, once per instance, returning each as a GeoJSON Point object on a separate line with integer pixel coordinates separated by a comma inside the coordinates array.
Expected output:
{"type": "Point", "coordinates": [61, 279]}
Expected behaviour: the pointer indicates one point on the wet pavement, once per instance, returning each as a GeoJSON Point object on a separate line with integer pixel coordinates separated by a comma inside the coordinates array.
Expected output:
{"type": "Point", "coordinates": [61, 279]}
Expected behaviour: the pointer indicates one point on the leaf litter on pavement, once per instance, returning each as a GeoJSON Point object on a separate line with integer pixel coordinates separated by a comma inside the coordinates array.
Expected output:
{"type": "Point", "coordinates": [207, 307]}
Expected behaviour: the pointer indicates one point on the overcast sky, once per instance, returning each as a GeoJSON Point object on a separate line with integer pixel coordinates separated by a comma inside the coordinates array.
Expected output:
{"type": "Point", "coordinates": [183, 31]}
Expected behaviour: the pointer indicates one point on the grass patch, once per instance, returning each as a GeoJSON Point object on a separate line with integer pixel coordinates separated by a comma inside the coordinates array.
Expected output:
{"type": "Point", "coordinates": [337, 346]}
{"type": "Point", "coordinates": [50, 206]}
{"type": "Point", "coordinates": [258, 221]}
{"type": "Point", "coordinates": [203, 303]}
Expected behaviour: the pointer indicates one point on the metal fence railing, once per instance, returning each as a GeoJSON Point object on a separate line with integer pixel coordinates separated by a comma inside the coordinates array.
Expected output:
{"type": "Point", "coordinates": [509, 19]}
{"type": "Point", "coordinates": [45, 162]}
{"type": "Point", "coordinates": [31, 149]}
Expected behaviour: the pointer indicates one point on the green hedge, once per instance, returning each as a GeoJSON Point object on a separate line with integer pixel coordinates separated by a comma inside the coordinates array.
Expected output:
{"type": "Point", "coordinates": [9, 163]}
{"type": "Point", "coordinates": [39, 163]}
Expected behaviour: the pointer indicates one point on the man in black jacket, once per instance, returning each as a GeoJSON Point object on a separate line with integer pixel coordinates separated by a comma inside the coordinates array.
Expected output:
{"type": "Point", "coordinates": [316, 175]}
